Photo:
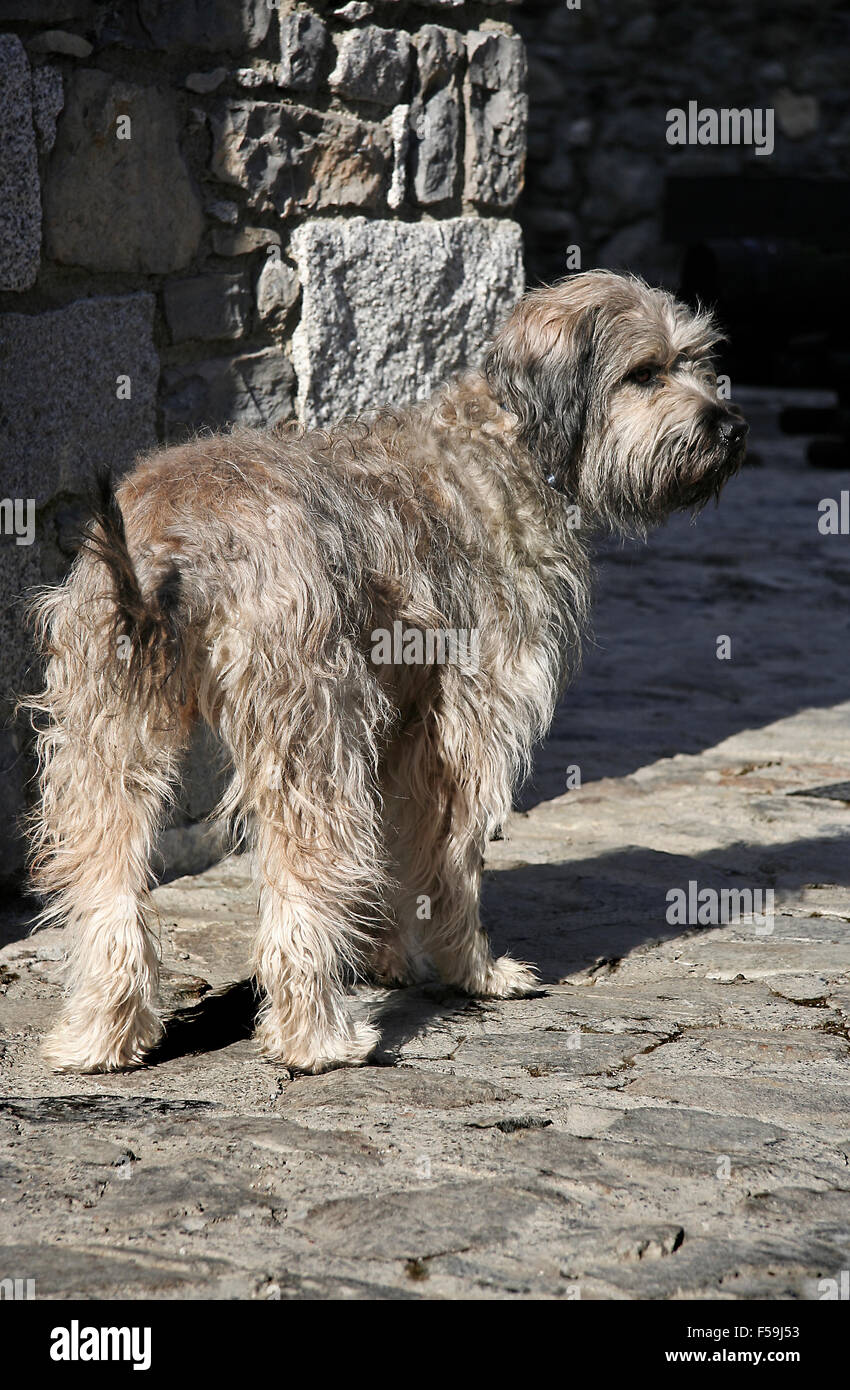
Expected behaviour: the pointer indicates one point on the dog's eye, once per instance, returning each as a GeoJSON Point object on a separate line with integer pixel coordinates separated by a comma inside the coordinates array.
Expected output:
{"type": "Point", "coordinates": [643, 376]}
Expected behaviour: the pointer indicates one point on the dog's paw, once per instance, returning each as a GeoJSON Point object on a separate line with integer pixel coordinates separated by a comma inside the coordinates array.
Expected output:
{"type": "Point", "coordinates": [320, 1053]}
{"type": "Point", "coordinates": [92, 1042]}
{"type": "Point", "coordinates": [399, 970]}
{"type": "Point", "coordinates": [509, 979]}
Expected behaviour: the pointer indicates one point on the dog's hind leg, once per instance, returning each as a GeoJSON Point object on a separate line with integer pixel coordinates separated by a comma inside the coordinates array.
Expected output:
{"type": "Point", "coordinates": [107, 763]}
{"type": "Point", "coordinates": [302, 742]}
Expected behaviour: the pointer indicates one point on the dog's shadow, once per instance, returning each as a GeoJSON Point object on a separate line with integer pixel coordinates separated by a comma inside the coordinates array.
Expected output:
{"type": "Point", "coordinates": [228, 1015]}
{"type": "Point", "coordinates": [223, 1017]}
{"type": "Point", "coordinates": [409, 1013]}
{"type": "Point", "coordinates": [565, 917]}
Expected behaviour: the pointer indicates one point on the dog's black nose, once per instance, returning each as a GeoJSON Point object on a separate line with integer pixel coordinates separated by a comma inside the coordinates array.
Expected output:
{"type": "Point", "coordinates": [732, 432]}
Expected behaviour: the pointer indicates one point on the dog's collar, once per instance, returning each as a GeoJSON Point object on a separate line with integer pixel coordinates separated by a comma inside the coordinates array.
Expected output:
{"type": "Point", "coordinates": [548, 478]}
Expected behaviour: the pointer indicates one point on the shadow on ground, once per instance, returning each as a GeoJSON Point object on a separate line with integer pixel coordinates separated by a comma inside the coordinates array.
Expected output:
{"type": "Point", "coordinates": [755, 569]}
{"type": "Point", "coordinates": [586, 918]}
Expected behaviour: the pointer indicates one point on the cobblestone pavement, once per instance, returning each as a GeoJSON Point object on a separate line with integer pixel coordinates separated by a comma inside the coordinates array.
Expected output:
{"type": "Point", "coordinates": [668, 1118]}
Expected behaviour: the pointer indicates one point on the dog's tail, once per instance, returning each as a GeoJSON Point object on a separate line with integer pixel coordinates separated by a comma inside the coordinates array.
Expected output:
{"type": "Point", "coordinates": [109, 720]}
{"type": "Point", "coordinates": [146, 631]}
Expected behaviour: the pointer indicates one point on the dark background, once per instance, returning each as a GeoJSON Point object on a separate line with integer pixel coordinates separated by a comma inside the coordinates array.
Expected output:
{"type": "Point", "coordinates": [763, 237]}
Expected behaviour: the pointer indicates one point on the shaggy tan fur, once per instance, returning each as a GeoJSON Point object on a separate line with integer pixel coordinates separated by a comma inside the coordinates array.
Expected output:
{"type": "Point", "coordinates": [240, 579]}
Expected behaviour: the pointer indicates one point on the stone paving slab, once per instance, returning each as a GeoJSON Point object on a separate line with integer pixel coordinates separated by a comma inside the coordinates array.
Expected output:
{"type": "Point", "coordinates": [666, 1119]}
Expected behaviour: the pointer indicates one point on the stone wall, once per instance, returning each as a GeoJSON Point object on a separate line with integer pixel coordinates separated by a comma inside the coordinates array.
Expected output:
{"type": "Point", "coordinates": [229, 210]}
{"type": "Point", "coordinates": [604, 73]}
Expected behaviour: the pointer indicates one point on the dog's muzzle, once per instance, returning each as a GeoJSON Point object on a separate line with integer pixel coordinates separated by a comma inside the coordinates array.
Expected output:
{"type": "Point", "coordinates": [733, 433]}
{"type": "Point", "coordinates": [729, 429]}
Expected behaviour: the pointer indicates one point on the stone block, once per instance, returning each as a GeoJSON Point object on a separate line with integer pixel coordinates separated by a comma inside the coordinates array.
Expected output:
{"type": "Point", "coordinates": [62, 414]}
{"type": "Point", "coordinates": [390, 309]}
{"type": "Point", "coordinates": [61, 41]}
{"type": "Point", "coordinates": [496, 118]}
{"type": "Point", "coordinates": [422, 1223]}
{"type": "Point", "coordinates": [435, 116]}
{"type": "Point", "coordinates": [262, 73]}
{"type": "Point", "coordinates": [204, 82]}
{"type": "Point", "coordinates": [207, 307]}
{"type": "Point", "coordinates": [253, 389]}
{"type": "Point", "coordinates": [223, 211]}
{"type": "Point", "coordinates": [61, 419]}
{"type": "Point", "coordinates": [434, 154]}
{"type": "Point", "coordinates": [20, 204]}
{"type": "Point", "coordinates": [399, 124]}
{"type": "Point", "coordinates": [243, 241]}
{"type": "Point", "coordinates": [437, 53]}
{"type": "Point", "coordinates": [48, 98]}
{"type": "Point", "coordinates": [278, 288]}
{"type": "Point", "coordinates": [303, 38]}
{"type": "Point", "coordinates": [372, 64]}
{"type": "Point", "coordinates": [288, 158]}
{"type": "Point", "coordinates": [212, 25]}
{"type": "Point", "coordinates": [120, 204]}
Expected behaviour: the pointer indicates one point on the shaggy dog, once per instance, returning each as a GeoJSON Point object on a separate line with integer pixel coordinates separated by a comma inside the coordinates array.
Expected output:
{"type": "Point", "coordinates": [377, 620]}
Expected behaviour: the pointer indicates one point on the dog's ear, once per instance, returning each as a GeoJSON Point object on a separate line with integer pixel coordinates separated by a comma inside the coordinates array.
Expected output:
{"type": "Point", "coordinates": [541, 368]}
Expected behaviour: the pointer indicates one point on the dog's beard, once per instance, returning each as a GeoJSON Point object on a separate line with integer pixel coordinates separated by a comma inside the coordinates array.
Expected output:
{"type": "Point", "coordinates": [705, 482]}
{"type": "Point", "coordinates": [649, 467]}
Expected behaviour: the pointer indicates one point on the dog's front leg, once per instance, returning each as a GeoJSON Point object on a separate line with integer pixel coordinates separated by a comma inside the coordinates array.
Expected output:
{"type": "Point", "coordinates": [442, 831]}
{"type": "Point", "coordinates": [457, 941]}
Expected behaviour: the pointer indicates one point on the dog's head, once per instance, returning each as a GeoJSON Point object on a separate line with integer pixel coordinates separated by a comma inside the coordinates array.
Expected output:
{"type": "Point", "coordinates": [615, 394]}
